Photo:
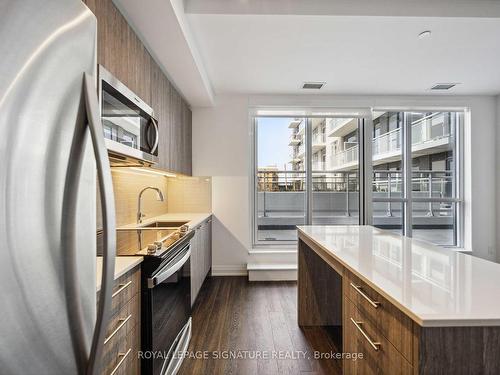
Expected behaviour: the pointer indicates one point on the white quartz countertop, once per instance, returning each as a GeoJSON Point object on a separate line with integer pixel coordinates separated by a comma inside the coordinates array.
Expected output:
{"type": "Point", "coordinates": [122, 266]}
{"type": "Point", "coordinates": [434, 286]}
{"type": "Point", "coordinates": [193, 219]}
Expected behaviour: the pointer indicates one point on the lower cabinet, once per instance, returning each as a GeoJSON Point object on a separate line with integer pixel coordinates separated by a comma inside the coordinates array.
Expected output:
{"type": "Point", "coordinates": [122, 341]}
{"type": "Point", "coordinates": [379, 354]}
{"type": "Point", "coordinates": [201, 256]}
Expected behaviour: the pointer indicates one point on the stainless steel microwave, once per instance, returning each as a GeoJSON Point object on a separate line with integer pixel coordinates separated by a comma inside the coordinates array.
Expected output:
{"type": "Point", "coordinates": [130, 129]}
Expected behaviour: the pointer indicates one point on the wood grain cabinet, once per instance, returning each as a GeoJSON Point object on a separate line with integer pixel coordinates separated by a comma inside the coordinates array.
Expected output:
{"type": "Point", "coordinates": [122, 53]}
{"type": "Point", "coordinates": [122, 342]}
{"type": "Point", "coordinates": [201, 256]}
{"type": "Point", "coordinates": [390, 340]}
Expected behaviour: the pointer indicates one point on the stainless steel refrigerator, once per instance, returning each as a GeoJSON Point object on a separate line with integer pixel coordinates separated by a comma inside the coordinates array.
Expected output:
{"type": "Point", "coordinates": [52, 156]}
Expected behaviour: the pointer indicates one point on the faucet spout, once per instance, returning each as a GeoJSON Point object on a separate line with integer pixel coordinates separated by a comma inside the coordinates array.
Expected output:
{"type": "Point", "coordinates": [159, 197]}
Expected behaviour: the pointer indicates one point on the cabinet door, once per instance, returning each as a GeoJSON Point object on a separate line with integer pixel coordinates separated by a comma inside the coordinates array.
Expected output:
{"type": "Point", "coordinates": [205, 250]}
{"type": "Point", "coordinates": [209, 245]}
{"type": "Point", "coordinates": [160, 101]}
{"type": "Point", "coordinates": [194, 265]}
{"type": "Point", "coordinates": [186, 139]}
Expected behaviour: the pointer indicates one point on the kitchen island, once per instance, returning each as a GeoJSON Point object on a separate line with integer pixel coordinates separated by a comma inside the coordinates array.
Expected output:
{"type": "Point", "coordinates": [408, 306]}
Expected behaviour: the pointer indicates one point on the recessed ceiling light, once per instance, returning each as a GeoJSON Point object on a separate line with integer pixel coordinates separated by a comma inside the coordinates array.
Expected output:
{"type": "Point", "coordinates": [425, 34]}
{"type": "Point", "coordinates": [313, 85]}
{"type": "Point", "coordinates": [443, 86]}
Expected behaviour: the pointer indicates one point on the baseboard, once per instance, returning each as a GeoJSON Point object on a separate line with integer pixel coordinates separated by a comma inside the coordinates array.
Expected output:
{"type": "Point", "coordinates": [272, 272]}
{"type": "Point", "coordinates": [229, 270]}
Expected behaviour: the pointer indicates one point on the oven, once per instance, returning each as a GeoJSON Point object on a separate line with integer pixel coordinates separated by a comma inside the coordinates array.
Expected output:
{"type": "Point", "coordinates": [166, 308]}
{"type": "Point", "coordinates": [130, 129]}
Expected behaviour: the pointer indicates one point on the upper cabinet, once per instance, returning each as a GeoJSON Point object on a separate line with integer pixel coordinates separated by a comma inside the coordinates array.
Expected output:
{"type": "Point", "coordinates": [122, 53]}
{"type": "Point", "coordinates": [174, 124]}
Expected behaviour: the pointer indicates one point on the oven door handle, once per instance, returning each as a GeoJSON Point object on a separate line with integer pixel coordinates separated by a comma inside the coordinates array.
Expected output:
{"type": "Point", "coordinates": [170, 269]}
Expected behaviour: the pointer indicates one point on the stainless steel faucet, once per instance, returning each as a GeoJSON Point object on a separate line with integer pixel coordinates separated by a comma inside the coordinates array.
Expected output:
{"type": "Point", "coordinates": [159, 197]}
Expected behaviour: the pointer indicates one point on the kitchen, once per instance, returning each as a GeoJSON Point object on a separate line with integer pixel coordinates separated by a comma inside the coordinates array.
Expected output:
{"type": "Point", "coordinates": [174, 201]}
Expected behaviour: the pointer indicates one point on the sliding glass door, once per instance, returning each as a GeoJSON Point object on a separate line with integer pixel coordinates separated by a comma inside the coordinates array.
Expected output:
{"type": "Point", "coordinates": [416, 174]}
{"type": "Point", "coordinates": [280, 171]}
{"type": "Point", "coordinates": [335, 170]}
{"type": "Point", "coordinates": [397, 170]}
{"type": "Point", "coordinates": [306, 172]}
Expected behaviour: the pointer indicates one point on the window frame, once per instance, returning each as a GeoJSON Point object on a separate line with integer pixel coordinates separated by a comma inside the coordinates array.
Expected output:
{"type": "Point", "coordinates": [408, 199]}
{"type": "Point", "coordinates": [366, 171]}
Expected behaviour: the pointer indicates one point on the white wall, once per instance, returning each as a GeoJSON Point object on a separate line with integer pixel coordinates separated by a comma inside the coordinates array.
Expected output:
{"type": "Point", "coordinates": [221, 148]}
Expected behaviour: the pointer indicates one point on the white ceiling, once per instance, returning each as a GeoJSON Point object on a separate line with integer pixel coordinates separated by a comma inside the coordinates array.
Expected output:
{"type": "Point", "coordinates": [353, 54]}
{"type": "Point", "coordinates": [162, 27]}
{"type": "Point", "coordinates": [357, 47]}
{"type": "Point", "coordinates": [410, 8]}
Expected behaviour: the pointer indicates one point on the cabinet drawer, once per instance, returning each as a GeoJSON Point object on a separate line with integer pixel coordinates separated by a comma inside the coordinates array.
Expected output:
{"type": "Point", "coordinates": [390, 321]}
{"type": "Point", "coordinates": [379, 355]}
{"type": "Point", "coordinates": [115, 354]}
{"type": "Point", "coordinates": [125, 320]}
{"type": "Point", "coordinates": [124, 288]}
{"type": "Point", "coordinates": [120, 353]}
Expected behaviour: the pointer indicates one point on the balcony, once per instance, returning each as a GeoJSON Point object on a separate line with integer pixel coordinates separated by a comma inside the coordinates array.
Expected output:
{"type": "Point", "coordinates": [318, 166]}
{"type": "Point", "coordinates": [429, 136]}
{"type": "Point", "coordinates": [318, 141]}
{"type": "Point", "coordinates": [347, 159]}
{"type": "Point", "coordinates": [335, 200]}
{"type": "Point", "coordinates": [301, 152]}
{"type": "Point", "coordinates": [338, 127]}
{"type": "Point", "coordinates": [294, 140]}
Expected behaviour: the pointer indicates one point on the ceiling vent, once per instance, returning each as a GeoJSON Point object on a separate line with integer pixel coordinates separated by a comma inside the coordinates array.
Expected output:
{"type": "Point", "coordinates": [443, 86]}
{"type": "Point", "coordinates": [313, 85]}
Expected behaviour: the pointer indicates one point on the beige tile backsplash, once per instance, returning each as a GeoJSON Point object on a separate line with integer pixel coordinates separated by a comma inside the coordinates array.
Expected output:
{"type": "Point", "coordinates": [182, 194]}
{"type": "Point", "coordinates": [127, 186]}
{"type": "Point", "coordinates": [189, 194]}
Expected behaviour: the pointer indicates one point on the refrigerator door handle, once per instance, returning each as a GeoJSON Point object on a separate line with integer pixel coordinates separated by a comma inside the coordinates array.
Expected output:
{"type": "Point", "coordinates": [109, 225]}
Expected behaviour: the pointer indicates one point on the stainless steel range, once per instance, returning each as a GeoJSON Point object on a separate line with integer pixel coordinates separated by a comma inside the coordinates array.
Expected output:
{"type": "Point", "coordinates": [166, 307]}
{"type": "Point", "coordinates": [166, 291]}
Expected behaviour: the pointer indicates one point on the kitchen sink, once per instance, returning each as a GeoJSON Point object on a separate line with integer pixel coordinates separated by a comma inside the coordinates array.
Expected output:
{"type": "Point", "coordinates": [164, 224]}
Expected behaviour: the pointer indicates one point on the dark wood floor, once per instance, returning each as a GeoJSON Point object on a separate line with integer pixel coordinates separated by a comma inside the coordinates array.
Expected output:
{"type": "Point", "coordinates": [235, 317]}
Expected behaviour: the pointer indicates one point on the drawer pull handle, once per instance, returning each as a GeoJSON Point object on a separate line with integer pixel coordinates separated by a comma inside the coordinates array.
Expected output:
{"type": "Point", "coordinates": [122, 321]}
{"type": "Point", "coordinates": [123, 357]}
{"type": "Point", "coordinates": [357, 288]}
{"type": "Point", "coordinates": [374, 345]}
{"type": "Point", "coordinates": [121, 288]}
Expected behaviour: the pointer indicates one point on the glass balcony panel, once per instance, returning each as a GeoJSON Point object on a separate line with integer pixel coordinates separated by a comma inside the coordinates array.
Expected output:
{"type": "Point", "coordinates": [388, 216]}
{"type": "Point", "coordinates": [387, 183]}
{"type": "Point", "coordinates": [435, 222]}
{"type": "Point", "coordinates": [335, 198]}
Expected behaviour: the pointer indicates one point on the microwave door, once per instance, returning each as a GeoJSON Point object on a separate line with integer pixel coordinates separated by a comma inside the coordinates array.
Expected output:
{"type": "Point", "coordinates": [121, 123]}
{"type": "Point", "coordinates": [129, 127]}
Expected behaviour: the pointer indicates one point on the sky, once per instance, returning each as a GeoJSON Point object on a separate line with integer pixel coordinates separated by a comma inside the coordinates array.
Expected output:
{"type": "Point", "coordinates": [273, 137]}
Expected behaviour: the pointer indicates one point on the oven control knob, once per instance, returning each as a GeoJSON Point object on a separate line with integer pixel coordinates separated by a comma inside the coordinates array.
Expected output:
{"type": "Point", "coordinates": [151, 249]}
{"type": "Point", "coordinates": [158, 245]}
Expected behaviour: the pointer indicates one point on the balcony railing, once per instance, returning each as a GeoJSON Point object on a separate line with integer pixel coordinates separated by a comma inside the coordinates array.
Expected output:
{"type": "Point", "coordinates": [318, 166]}
{"type": "Point", "coordinates": [281, 193]}
{"type": "Point", "coordinates": [428, 129]}
{"type": "Point", "coordinates": [295, 139]}
{"type": "Point", "coordinates": [318, 138]}
{"type": "Point", "coordinates": [345, 157]}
